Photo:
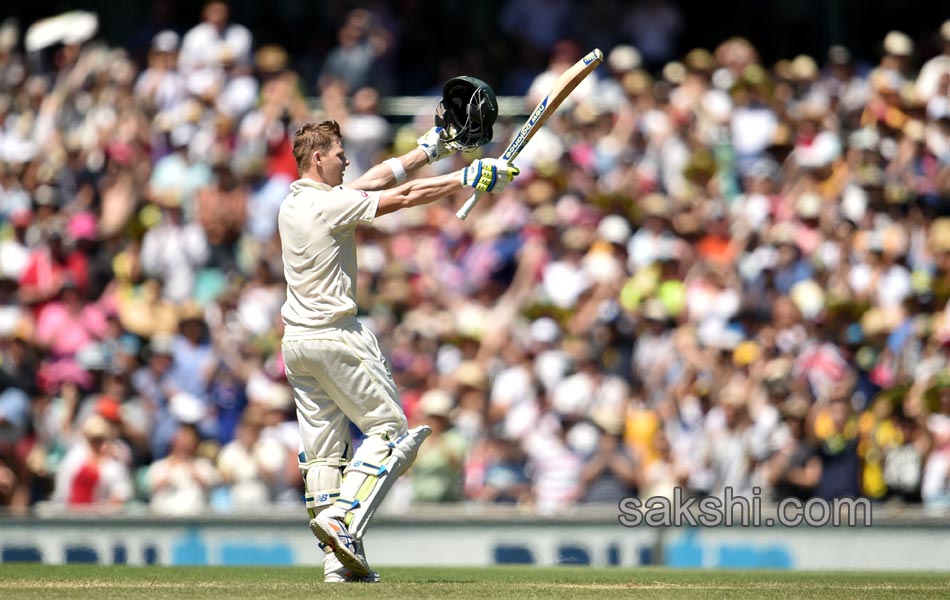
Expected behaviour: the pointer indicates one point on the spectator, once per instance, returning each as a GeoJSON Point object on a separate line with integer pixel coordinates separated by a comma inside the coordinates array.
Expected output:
{"type": "Point", "coordinates": [654, 238]}
{"type": "Point", "coordinates": [206, 44]}
{"type": "Point", "coordinates": [221, 210]}
{"type": "Point", "coordinates": [49, 268]}
{"type": "Point", "coordinates": [181, 483]}
{"type": "Point", "coordinates": [152, 384]}
{"type": "Point", "coordinates": [173, 251]}
{"type": "Point", "coordinates": [66, 325]}
{"type": "Point", "coordinates": [365, 131]}
{"type": "Point", "coordinates": [611, 474]}
{"type": "Point", "coordinates": [249, 465]}
{"type": "Point", "coordinates": [281, 434]}
{"type": "Point", "coordinates": [794, 469]}
{"type": "Point", "coordinates": [729, 450]}
{"type": "Point", "coordinates": [502, 466]}
{"type": "Point", "coordinates": [193, 366]}
{"type": "Point", "coordinates": [555, 469]}
{"type": "Point", "coordinates": [160, 87]}
{"type": "Point", "coordinates": [354, 61]}
{"type": "Point", "coordinates": [933, 75]}
{"type": "Point", "coordinates": [92, 473]}
{"type": "Point", "coordinates": [904, 463]}
{"type": "Point", "coordinates": [662, 474]}
{"type": "Point", "coordinates": [836, 431]}
{"type": "Point", "coordinates": [437, 472]}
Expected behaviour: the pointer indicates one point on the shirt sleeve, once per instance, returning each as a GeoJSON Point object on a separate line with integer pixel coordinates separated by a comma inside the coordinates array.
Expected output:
{"type": "Point", "coordinates": [347, 208]}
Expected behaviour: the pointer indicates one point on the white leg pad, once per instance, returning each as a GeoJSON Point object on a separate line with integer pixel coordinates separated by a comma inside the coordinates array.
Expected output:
{"type": "Point", "coordinates": [322, 479]}
{"type": "Point", "coordinates": [376, 465]}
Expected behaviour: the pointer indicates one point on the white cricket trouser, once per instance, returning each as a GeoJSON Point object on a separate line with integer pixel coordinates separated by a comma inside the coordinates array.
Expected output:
{"type": "Point", "coordinates": [338, 373]}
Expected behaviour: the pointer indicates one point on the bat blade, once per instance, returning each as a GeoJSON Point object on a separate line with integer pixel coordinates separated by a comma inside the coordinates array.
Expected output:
{"type": "Point", "coordinates": [562, 88]}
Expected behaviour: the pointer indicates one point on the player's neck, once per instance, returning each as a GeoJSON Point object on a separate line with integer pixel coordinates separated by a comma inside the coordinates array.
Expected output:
{"type": "Point", "coordinates": [314, 175]}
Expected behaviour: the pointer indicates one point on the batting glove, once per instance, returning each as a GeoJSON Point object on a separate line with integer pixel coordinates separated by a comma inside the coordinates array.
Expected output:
{"type": "Point", "coordinates": [433, 145]}
{"type": "Point", "coordinates": [489, 174]}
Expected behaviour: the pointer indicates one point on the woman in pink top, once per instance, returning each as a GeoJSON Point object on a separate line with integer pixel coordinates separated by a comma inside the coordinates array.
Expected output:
{"type": "Point", "coordinates": [66, 324]}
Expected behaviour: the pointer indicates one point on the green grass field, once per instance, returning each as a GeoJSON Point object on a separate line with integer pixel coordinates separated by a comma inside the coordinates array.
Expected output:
{"type": "Point", "coordinates": [102, 582]}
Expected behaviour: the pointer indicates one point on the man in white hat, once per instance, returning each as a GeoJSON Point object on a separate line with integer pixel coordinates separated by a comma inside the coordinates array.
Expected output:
{"type": "Point", "coordinates": [160, 87]}
{"type": "Point", "coordinates": [935, 71]}
{"type": "Point", "coordinates": [898, 48]}
{"type": "Point", "coordinates": [90, 472]}
{"type": "Point", "coordinates": [216, 36]}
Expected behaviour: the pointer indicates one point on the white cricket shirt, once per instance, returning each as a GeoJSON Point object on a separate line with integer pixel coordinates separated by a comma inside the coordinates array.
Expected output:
{"type": "Point", "coordinates": [316, 225]}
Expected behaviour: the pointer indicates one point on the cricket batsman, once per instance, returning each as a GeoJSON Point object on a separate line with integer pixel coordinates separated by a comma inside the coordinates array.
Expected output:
{"type": "Point", "coordinates": [333, 363]}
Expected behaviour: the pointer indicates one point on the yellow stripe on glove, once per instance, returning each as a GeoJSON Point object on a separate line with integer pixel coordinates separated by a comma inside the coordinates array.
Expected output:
{"type": "Point", "coordinates": [489, 174]}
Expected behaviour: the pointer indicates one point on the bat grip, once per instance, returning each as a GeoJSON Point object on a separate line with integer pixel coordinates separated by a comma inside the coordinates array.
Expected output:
{"type": "Point", "coordinates": [469, 205]}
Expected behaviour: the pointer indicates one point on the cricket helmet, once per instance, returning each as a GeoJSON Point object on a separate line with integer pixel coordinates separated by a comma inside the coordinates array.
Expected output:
{"type": "Point", "coordinates": [467, 112]}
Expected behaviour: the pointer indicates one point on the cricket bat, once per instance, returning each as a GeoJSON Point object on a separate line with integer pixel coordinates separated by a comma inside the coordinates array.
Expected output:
{"type": "Point", "coordinates": [564, 85]}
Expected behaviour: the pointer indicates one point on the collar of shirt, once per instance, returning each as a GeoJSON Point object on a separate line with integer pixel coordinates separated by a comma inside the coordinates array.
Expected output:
{"type": "Point", "coordinates": [298, 185]}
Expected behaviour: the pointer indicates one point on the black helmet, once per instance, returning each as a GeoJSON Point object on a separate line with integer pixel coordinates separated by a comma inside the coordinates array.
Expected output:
{"type": "Point", "coordinates": [467, 112]}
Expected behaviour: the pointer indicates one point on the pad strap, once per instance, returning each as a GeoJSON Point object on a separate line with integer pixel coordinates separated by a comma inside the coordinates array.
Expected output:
{"type": "Point", "coordinates": [366, 468]}
{"type": "Point", "coordinates": [305, 464]}
{"type": "Point", "coordinates": [321, 499]}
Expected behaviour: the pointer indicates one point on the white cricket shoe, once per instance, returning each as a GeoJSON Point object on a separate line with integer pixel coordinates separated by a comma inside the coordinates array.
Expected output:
{"type": "Point", "coordinates": [348, 577]}
{"type": "Point", "coordinates": [335, 572]}
{"type": "Point", "coordinates": [332, 532]}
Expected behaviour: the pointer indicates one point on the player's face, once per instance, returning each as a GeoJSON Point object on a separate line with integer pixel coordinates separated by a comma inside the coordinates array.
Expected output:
{"type": "Point", "coordinates": [334, 164]}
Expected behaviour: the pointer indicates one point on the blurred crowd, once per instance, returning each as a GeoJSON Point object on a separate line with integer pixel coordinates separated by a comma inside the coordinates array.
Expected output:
{"type": "Point", "coordinates": [711, 273]}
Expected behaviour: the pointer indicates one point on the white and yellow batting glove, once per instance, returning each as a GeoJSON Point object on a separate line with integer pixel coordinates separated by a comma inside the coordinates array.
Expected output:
{"type": "Point", "coordinates": [489, 174]}
{"type": "Point", "coordinates": [432, 143]}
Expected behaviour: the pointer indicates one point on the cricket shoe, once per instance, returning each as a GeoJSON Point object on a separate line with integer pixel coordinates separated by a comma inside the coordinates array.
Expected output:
{"type": "Point", "coordinates": [349, 577]}
{"type": "Point", "coordinates": [332, 532]}
{"type": "Point", "coordinates": [335, 572]}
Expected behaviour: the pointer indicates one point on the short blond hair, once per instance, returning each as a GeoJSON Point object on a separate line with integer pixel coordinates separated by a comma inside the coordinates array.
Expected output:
{"type": "Point", "coordinates": [314, 137]}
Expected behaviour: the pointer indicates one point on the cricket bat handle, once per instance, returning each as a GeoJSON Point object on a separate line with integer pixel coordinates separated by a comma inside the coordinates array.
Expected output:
{"type": "Point", "coordinates": [564, 85]}
{"type": "Point", "coordinates": [469, 205]}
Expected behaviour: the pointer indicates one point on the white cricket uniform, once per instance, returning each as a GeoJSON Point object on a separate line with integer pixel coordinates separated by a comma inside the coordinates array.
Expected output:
{"type": "Point", "coordinates": [333, 363]}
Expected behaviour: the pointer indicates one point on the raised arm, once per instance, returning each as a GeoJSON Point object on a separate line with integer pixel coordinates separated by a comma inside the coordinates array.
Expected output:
{"type": "Point", "coordinates": [383, 175]}
{"type": "Point", "coordinates": [486, 175]}
{"type": "Point", "coordinates": [395, 170]}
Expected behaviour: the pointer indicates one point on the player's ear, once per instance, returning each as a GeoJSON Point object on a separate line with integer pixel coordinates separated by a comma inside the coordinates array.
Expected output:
{"type": "Point", "coordinates": [316, 158]}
